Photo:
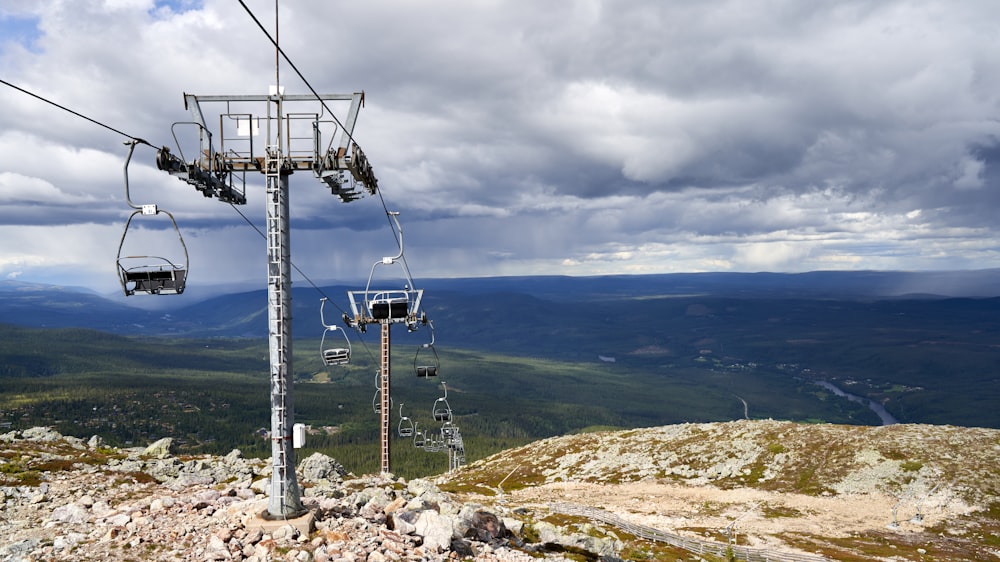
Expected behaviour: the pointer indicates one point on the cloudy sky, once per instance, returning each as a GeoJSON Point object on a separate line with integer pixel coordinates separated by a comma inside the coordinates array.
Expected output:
{"type": "Point", "coordinates": [516, 137]}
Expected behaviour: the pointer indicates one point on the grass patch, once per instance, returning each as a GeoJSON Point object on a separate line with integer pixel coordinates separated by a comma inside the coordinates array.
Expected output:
{"type": "Point", "coordinates": [777, 511]}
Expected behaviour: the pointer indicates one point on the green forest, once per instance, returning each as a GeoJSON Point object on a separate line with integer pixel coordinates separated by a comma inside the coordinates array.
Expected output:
{"type": "Point", "coordinates": [212, 395]}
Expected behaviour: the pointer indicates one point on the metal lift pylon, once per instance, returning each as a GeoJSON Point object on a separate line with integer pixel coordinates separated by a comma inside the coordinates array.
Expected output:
{"type": "Point", "coordinates": [293, 142]}
{"type": "Point", "coordinates": [386, 307]}
{"type": "Point", "coordinates": [284, 499]}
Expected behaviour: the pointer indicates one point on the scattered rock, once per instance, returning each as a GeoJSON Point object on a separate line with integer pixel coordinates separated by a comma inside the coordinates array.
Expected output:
{"type": "Point", "coordinates": [436, 530]}
{"type": "Point", "coordinates": [318, 466]}
{"type": "Point", "coordinates": [198, 509]}
{"type": "Point", "coordinates": [160, 449]}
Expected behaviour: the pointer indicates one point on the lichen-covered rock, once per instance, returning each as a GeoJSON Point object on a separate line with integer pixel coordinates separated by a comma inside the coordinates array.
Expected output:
{"type": "Point", "coordinates": [159, 449]}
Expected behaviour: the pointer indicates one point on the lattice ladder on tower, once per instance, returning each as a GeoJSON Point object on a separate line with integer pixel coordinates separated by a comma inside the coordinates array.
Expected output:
{"type": "Point", "coordinates": [277, 225]}
{"type": "Point", "coordinates": [386, 307]}
{"type": "Point", "coordinates": [384, 413]}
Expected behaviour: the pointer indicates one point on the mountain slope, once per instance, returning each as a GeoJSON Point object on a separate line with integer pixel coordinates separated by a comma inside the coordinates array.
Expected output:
{"type": "Point", "coordinates": [927, 359]}
{"type": "Point", "coordinates": [827, 489]}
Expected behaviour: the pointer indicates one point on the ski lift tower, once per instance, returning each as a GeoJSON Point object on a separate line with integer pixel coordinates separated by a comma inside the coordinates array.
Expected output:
{"type": "Point", "coordinates": [450, 439]}
{"type": "Point", "coordinates": [293, 141]}
{"type": "Point", "coordinates": [386, 307]}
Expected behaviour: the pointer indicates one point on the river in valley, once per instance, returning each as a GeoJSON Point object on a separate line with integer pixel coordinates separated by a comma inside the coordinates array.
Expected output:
{"type": "Point", "coordinates": [880, 411]}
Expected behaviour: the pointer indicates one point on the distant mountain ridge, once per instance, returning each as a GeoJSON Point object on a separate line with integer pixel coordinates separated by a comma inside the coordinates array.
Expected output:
{"type": "Point", "coordinates": [637, 350]}
{"type": "Point", "coordinates": [239, 313]}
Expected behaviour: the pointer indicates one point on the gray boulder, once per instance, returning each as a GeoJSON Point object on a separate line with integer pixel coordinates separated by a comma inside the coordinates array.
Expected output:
{"type": "Point", "coordinates": [436, 530]}
{"type": "Point", "coordinates": [160, 449]}
{"type": "Point", "coordinates": [318, 467]}
{"type": "Point", "coordinates": [43, 434]}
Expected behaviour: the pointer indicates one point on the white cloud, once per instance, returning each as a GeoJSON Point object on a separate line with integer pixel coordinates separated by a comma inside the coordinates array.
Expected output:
{"type": "Point", "coordinates": [584, 136]}
{"type": "Point", "coordinates": [771, 256]}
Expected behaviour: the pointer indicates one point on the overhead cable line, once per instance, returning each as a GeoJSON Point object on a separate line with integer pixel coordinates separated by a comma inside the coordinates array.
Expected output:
{"type": "Point", "coordinates": [80, 115]}
{"type": "Point", "coordinates": [315, 93]}
{"type": "Point", "coordinates": [296, 69]}
{"type": "Point", "coordinates": [308, 280]}
{"type": "Point", "coordinates": [302, 77]}
{"type": "Point", "coordinates": [143, 141]}
{"type": "Point", "coordinates": [388, 218]}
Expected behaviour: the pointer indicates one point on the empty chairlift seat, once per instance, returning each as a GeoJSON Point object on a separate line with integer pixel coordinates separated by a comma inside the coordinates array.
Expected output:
{"type": "Point", "coordinates": [425, 371]}
{"type": "Point", "coordinates": [159, 281]}
{"type": "Point", "coordinates": [406, 426]}
{"type": "Point", "coordinates": [166, 279]}
{"type": "Point", "coordinates": [336, 356]}
{"type": "Point", "coordinates": [148, 273]}
{"type": "Point", "coordinates": [427, 365]}
{"type": "Point", "coordinates": [441, 410]}
{"type": "Point", "coordinates": [390, 308]}
{"type": "Point", "coordinates": [331, 354]}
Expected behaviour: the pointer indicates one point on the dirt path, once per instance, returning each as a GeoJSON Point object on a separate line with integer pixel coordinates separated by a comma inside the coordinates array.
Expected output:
{"type": "Point", "coordinates": [760, 516]}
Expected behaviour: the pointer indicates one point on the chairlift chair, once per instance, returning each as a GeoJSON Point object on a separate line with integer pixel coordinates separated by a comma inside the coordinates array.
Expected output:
{"type": "Point", "coordinates": [431, 364]}
{"type": "Point", "coordinates": [441, 411]}
{"type": "Point", "coordinates": [432, 445]}
{"type": "Point", "coordinates": [387, 305]}
{"type": "Point", "coordinates": [332, 355]}
{"type": "Point", "coordinates": [448, 432]}
{"type": "Point", "coordinates": [418, 437]}
{"type": "Point", "coordinates": [151, 275]}
{"type": "Point", "coordinates": [336, 356]}
{"type": "Point", "coordinates": [148, 274]}
{"type": "Point", "coordinates": [405, 427]}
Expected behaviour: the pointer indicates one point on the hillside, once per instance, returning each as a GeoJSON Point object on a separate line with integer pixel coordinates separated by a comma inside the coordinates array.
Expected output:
{"type": "Point", "coordinates": [824, 489]}
{"type": "Point", "coordinates": [212, 395]}
{"type": "Point", "coordinates": [924, 345]}
{"type": "Point", "coordinates": [794, 491]}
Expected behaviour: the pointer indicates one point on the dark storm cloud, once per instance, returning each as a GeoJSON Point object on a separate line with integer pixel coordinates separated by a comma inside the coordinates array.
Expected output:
{"type": "Point", "coordinates": [522, 137]}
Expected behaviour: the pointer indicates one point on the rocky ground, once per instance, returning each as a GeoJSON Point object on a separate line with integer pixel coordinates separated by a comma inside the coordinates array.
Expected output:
{"type": "Point", "coordinates": [896, 493]}
{"type": "Point", "coordinates": [67, 499]}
